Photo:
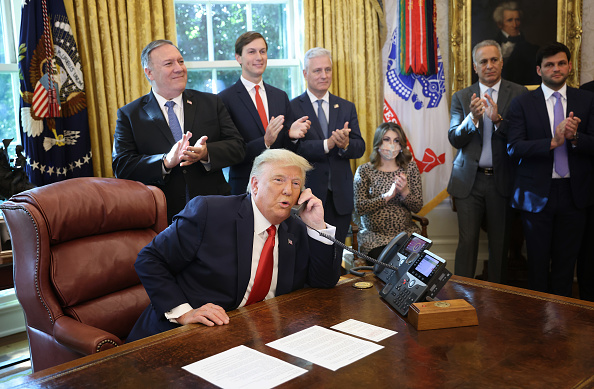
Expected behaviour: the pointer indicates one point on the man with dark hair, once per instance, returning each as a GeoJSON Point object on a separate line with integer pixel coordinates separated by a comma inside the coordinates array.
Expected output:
{"type": "Point", "coordinates": [517, 53]}
{"type": "Point", "coordinates": [175, 138]}
{"type": "Point", "coordinates": [226, 252]}
{"type": "Point", "coordinates": [331, 143]}
{"type": "Point", "coordinates": [480, 182]}
{"type": "Point", "coordinates": [551, 135]}
{"type": "Point", "coordinates": [260, 111]}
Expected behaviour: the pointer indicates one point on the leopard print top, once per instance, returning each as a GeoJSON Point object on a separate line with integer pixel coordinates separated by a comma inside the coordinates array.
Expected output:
{"type": "Point", "coordinates": [380, 221]}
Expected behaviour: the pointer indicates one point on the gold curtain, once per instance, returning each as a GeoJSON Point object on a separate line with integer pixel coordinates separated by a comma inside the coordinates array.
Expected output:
{"type": "Point", "coordinates": [353, 31]}
{"type": "Point", "coordinates": [110, 36]}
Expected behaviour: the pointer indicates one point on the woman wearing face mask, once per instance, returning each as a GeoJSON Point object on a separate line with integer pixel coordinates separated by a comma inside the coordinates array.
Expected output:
{"type": "Point", "coordinates": [387, 189]}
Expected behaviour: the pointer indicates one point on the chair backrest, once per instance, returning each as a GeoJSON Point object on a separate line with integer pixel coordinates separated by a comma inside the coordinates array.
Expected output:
{"type": "Point", "coordinates": [74, 246]}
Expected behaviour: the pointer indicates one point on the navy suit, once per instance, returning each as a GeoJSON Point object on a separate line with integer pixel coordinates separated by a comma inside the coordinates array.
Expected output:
{"type": "Point", "coordinates": [245, 116]}
{"type": "Point", "coordinates": [205, 256]}
{"type": "Point", "coordinates": [552, 209]}
{"type": "Point", "coordinates": [585, 264]}
{"type": "Point", "coordinates": [142, 137]}
{"type": "Point", "coordinates": [338, 209]}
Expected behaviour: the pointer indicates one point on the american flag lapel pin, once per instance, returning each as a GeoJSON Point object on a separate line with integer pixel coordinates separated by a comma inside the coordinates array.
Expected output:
{"type": "Point", "coordinates": [290, 241]}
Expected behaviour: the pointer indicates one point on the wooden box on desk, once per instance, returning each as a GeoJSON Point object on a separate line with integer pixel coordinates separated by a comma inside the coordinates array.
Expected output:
{"type": "Point", "coordinates": [442, 314]}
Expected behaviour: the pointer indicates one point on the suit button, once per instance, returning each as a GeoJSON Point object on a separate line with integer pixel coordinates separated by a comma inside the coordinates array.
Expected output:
{"type": "Point", "coordinates": [185, 171]}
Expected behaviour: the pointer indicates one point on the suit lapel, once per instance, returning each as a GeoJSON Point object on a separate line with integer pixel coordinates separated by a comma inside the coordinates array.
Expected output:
{"type": "Point", "coordinates": [333, 114]}
{"type": "Point", "coordinates": [503, 99]}
{"type": "Point", "coordinates": [154, 112]}
{"type": "Point", "coordinates": [286, 259]}
{"type": "Point", "coordinates": [190, 109]}
{"type": "Point", "coordinates": [308, 108]}
{"type": "Point", "coordinates": [245, 98]}
{"type": "Point", "coordinates": [542, 113]}
{"type": "Point", "coordinates": [245, 241]}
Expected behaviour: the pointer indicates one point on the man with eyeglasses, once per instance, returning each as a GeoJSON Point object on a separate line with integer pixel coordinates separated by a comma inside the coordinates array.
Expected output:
{"type": "Point", "coordinates": [332, 141]}
{"type": "Point", "coordinates": [480, 182]}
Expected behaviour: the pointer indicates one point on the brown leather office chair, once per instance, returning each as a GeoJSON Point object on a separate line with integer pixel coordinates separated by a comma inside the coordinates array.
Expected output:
{"type": "Point", "coordinates": [74, 245]}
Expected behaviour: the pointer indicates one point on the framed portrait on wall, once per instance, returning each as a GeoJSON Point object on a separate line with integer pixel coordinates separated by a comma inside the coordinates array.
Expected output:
{"type": "Point", "coordinates": [521, 27]}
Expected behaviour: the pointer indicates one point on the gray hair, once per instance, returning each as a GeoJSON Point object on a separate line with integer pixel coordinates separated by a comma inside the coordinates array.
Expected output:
{"type": "Point", "coordinates": [314, 53]}
{"type": "Point", "coordinates": [507, 6]}
{"type": "Point", "coordinates": [278, 158]}
{"type": "Point", "coordinates": [485, 43]}
{"type": "Point", "coordinates": [145, 55]}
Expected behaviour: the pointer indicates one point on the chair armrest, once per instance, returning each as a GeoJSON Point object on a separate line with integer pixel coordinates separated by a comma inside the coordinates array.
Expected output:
{"type": "Point", "coordinates": [423, 221]}
{"type": "Point", "coordinates": [83, 338]}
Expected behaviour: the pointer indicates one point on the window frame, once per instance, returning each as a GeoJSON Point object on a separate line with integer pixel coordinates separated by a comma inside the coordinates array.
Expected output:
{"type": "Point", "coordinates": [294, 43]}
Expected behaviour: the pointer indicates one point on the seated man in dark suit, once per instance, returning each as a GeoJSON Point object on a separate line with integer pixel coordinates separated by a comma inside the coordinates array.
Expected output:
{"type": "Point", "coordinates": [175, 138]}
{"type": "Point", "coordinates": [260, 111]}
{"type": "Point", "coordinates": [223, 252]}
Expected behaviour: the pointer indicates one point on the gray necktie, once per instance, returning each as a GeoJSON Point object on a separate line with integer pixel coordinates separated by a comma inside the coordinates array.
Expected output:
{"type": "Point", "coordinates": [561, 162]}
{"type": "Point", "coordinates": [486, 159]}
{"type": "Point", "coordinates": [174, 125]}
{"type": "Point", "coordinates": [322, 118]}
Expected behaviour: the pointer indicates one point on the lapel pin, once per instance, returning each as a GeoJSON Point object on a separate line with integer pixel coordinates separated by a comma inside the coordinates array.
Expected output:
{"type": "Point", "coordinates": [335, 105]}
{"type": "Point", "coordinates": [290, 241]}
{"type": "Point", "coordinates": [189, 102]}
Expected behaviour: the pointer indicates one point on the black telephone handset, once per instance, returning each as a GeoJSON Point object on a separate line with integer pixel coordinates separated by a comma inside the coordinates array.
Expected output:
{"type": "Point", "coordinates": [297, 209]}
{"type": "Point", "coordinates": [390, 256]}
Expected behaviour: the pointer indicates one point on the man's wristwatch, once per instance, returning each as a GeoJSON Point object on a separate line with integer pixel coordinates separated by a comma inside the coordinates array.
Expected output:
{"type": "Point", "coordinates": [498, 120]}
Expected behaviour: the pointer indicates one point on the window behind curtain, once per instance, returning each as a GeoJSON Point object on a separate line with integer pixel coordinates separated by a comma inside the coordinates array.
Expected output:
{"type": "Point", "coordinates": [206, 34]}
{"type": "Point", "coordinates": [10, 21]}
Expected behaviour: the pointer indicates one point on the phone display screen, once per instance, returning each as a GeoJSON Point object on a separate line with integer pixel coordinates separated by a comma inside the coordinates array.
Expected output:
{"type": "Point", "coordinates": [416, 244]}
{"type": "Point", "coordinates": [425, 267]}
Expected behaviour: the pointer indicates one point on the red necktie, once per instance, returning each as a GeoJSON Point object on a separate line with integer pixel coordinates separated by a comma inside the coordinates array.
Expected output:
{"type": "Point", "coordinates": [260, 106]}
{"type": "Point", "coordinates": [263, 276]}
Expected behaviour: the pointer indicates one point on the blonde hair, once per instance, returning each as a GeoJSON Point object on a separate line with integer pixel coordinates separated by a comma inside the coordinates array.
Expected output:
{"type": "Point", "coordinates": [278, 158]}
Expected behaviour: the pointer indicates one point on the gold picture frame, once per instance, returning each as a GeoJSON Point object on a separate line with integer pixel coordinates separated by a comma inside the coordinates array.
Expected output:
{"type": "Point", "coordinates": [569, 32]}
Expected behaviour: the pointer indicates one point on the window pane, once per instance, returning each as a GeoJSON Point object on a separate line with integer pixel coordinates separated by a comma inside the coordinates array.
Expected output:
{"type": "Point", "coordinates": [192, 37]}
{"type": "Point", "coordinates": [228, 23]}
{"type": "Point", "coordinates": [226, 78]}
{"type": "Point", "coordinates": [2, 53]}
{"type": "Point", "coordinates": [8, 124]}
{"type": "Point", "coordinates": [280, 78]}
{"type": "Point", "coordinates": [200, 80]}
{"type": "Point", "coordinates": [270, 20]}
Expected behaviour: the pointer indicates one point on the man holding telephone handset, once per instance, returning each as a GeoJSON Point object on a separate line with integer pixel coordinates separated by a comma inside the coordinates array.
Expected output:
{"type": "Point", "coordinates": [225, 252]}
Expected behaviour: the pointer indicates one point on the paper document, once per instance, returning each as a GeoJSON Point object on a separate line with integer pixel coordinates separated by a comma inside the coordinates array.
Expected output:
{"type": "Point", "coordinates": [242, 367]}
{"type": "Point", "coordinates": [324, 347]}
{"type": "Point", "coordinates": [364, 330]}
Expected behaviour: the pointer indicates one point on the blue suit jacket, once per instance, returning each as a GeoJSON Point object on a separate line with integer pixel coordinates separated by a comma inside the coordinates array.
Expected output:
{"type": "Point", "coordinates": [205, 256]}
{"type": "Point", "coordinates": [245, 116]}
{"type": "Point", "coordinates": [529, 140]}
{"type": "Point", "coordinates": [142, 137]}
{"type": "Point", "coordinates": [311, 147]}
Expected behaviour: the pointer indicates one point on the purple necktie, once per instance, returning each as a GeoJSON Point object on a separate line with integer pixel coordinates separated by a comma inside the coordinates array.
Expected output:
{"type": "Point", "coordinates": [561, 163]}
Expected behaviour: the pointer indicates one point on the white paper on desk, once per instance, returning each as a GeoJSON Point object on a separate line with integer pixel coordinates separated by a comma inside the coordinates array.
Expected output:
{"type": "Point", "coordinates": [324, 347]}
{"type": "Point", "coordinates": [242, 367]}
{"type": "Point", "coordinates": [364, 330]}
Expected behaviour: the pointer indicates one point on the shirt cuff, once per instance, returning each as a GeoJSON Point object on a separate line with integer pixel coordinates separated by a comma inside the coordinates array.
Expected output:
{"type": "Point", "coordinates": [177, 312]}
{"type": "Point", "coordinates": [326, 146]}
{"type": "Point", "coordinates": [329, 230]}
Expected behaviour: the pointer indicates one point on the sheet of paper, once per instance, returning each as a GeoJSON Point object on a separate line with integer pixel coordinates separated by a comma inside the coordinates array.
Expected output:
{"type": "Point", "coordinates": [364, 330]}
{"type": "Point", "coordinates": [324, 347]}
{"type": "Point", "coordinates": [242, 367]}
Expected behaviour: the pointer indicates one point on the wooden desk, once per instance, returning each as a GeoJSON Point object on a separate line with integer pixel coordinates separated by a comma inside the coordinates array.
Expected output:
{"type": "Point", "coordinates": [524, 339]}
